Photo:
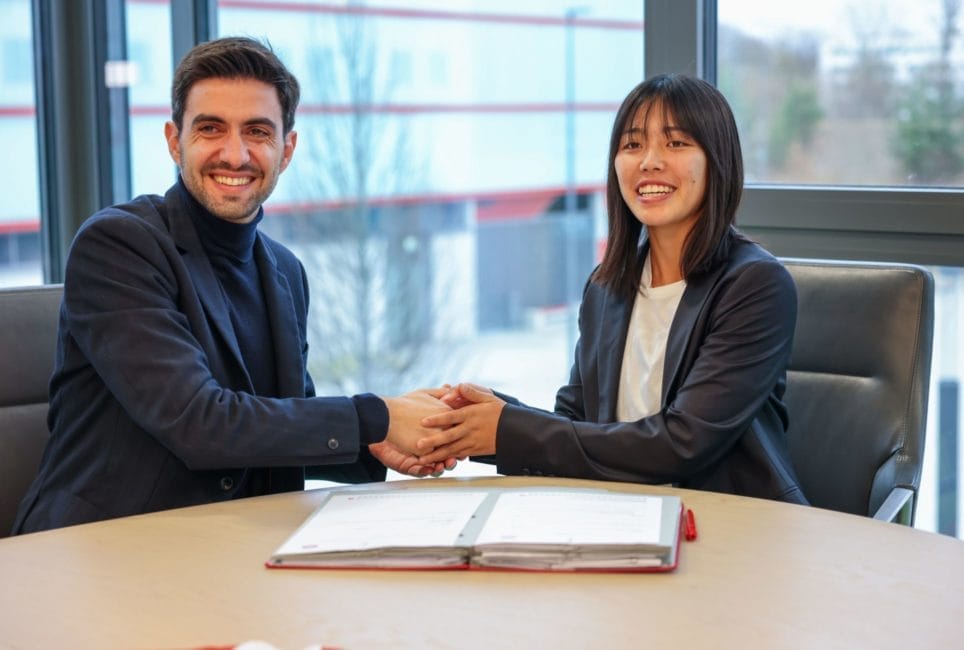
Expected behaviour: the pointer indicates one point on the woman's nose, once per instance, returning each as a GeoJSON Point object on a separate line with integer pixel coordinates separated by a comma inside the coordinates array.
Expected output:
{"type": "Point", "coordinates": [651, 158]}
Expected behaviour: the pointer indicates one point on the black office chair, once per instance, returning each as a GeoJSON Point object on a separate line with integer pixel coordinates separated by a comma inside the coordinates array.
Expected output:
{"type": "Point", "coordinates": [28, 339]}
{"type": "Point", "coordinates": [857, 384]}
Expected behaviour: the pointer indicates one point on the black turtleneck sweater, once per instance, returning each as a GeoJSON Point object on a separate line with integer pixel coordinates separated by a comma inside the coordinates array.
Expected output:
{"type": "Point", "coordinates": [230, 248]}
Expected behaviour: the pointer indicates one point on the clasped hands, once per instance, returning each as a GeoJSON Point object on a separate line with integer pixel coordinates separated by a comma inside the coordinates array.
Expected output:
{"type": "Point", "coordinates": [430, 430]}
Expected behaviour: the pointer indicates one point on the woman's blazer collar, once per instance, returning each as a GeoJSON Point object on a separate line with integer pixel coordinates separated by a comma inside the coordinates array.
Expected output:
{"type": "Point", "coordinates": [618, 310]}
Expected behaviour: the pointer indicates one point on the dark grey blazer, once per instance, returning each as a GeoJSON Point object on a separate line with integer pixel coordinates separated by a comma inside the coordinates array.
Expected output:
{"type": "Point", "coordinates": [722, 422]}
{"type": "Point", "coordinates": [150, 404]}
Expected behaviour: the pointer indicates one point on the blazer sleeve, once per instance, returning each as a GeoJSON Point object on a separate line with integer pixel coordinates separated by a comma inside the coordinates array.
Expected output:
{"type": "Point", "coordinates": [133, 313]}
{"type": "Point", "coordinates": [734, 359]}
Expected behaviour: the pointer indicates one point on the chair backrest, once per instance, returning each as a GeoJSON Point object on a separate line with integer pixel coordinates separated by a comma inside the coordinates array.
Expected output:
{"type": "Point", "coordinates": [858, 381]}
{"type": "Point", "coordinates": [28, 340]}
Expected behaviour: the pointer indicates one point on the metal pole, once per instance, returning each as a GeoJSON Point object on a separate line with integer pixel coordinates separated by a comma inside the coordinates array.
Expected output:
{"type": "Point", "coordinates": [570, 230]}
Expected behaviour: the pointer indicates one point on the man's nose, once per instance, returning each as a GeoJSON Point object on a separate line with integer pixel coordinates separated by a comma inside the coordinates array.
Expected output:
{"type": "Point", "coordinates": [234, 150]}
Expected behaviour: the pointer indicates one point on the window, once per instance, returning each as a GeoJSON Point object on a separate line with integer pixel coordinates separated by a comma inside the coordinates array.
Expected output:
{"type": "Point", "coordinates": [428, 195]}
{"type": "Point", "coordinates": [852, 121]}
{"type": "Point", "coordinates": [149, 48]}
{"type": "Point", "coordinates": [847, 93]}
{"type": "Point", "coordinates": [20, 251]}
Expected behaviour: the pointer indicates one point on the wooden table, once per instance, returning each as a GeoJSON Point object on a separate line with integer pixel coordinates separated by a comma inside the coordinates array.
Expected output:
{"type": "Point", "coordinates": [761, 575]}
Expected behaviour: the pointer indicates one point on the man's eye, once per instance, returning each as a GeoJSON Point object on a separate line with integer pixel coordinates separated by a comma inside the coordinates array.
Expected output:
{"type": "Point", "coordinates": [260, 133]}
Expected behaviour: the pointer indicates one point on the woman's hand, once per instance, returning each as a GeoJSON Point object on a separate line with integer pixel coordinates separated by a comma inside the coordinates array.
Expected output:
{"type": "Point", "coordinates": [469, 430]}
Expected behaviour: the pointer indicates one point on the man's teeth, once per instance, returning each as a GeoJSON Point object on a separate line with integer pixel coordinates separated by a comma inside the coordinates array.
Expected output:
{"type": "Point", "coordinates": [230, 180]}
{"type": "Point", "coordinates": [653, 189]}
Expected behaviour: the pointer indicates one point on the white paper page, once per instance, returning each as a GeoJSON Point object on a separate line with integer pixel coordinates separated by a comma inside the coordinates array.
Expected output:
{"type": "Point", "coordinates": [349, 522]}
{"type": "Point", "coordinates": [573, 518]}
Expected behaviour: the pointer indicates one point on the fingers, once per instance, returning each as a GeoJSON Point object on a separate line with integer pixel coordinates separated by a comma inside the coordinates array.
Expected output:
{"type": "Point", "coordinates": [440, 392]}
{"type": "Point", "coordinates": [432, 469]}
{"type": "Point", "coordinates": [444, 437]}
{"type": "Point", "coordinates": [476, 393]}
{"type": "Point", "coordinates": [453, 399]}
{"type": "Point", "coordinates": [459, 449]}
{"type": "Point", "coordinates": [445, 419]}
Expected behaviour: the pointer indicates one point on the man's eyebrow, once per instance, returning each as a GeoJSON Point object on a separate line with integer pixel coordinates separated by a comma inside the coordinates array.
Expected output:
{"type": "Point", "coordinates": [254, 121]}
{"type": "Point", "coordinates": [262, 121]}
{"type": "Point", "coordinates": [204, 117]}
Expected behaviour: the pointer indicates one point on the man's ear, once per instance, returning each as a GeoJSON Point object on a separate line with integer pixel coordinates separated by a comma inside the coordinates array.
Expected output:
{"type": "Point", "coordinates": [171, 134]}
{"type": "Point", "coordinates": [290, 141]}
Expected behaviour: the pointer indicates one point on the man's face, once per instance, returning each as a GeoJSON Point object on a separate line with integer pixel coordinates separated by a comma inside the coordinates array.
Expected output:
{"type": "Point", "coordinates": [230, 148]}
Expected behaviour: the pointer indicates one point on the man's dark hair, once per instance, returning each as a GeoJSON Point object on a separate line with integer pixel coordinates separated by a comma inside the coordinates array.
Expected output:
{"type": "Point", "coordinates": [235, 58]}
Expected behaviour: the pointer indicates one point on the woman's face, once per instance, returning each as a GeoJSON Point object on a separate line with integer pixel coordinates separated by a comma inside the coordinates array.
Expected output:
{"type": "Point", "coordinates": [662, 173]}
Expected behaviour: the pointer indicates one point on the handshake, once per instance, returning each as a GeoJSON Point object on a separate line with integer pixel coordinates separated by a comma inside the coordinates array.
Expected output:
{"type": "Point", "coordinates": [431, 429]}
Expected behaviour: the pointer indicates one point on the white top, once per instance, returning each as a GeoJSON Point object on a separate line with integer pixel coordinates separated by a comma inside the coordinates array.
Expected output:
{"type": "Point", "coordinates": [641, 376]}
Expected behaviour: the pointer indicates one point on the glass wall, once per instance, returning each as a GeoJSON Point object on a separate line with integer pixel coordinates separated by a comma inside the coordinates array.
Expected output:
{"type": "Point", "coordinates": [149, 52]}
{"type": "Point", "coordinates": [20, 250]}
{"type": "Point", "coordinates": [847, 93]}
{"type": "Point", "coordinates": [863, 93]}
{"type": "Point", "coordinates": [446, 192]}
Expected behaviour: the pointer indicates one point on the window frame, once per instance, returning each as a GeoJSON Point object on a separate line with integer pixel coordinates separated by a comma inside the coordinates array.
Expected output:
{"type": "Point", "coordinates": [916, 225]}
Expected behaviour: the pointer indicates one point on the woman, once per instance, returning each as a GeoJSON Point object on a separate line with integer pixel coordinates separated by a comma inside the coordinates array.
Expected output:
{"type": "Point", "coordinates": [685, 326]}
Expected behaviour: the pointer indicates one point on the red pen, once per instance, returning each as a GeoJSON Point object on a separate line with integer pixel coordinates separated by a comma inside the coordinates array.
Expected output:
{"type": "Point", "coordinates": [690, 526]}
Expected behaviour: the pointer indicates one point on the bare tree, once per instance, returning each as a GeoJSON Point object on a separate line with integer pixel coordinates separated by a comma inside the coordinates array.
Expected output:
{"type": "Point", "coordinates": [377, 297]}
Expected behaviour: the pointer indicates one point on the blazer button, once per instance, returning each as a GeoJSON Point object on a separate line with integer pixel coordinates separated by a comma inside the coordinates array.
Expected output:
{"type": "Point", "coordinates": [227, 483]}
{"type": "Point", "coordinates": [332, 444]}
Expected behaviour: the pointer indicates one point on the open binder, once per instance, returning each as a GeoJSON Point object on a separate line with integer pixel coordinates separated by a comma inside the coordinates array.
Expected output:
{"type": "Point", "coordinates": [527, 529]}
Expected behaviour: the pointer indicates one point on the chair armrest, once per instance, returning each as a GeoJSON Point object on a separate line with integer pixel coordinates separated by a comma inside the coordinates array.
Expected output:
{"type": "Point", "coordinates": [897, 504]}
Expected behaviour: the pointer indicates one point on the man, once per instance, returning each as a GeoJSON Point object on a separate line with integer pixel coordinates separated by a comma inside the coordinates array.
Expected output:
{"type": "Point", "coordinates": [180, 375]}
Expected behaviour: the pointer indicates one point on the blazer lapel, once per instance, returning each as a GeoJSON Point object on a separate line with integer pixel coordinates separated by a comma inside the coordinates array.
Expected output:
{"type": "Point", "coordinates": [614, 325]}
{"type": "Point", "coordinates": [682, 330]}
{"type": "Point", "coordinates": [202, 275]}
{"type": "Point", "coordinates": [287, 340]}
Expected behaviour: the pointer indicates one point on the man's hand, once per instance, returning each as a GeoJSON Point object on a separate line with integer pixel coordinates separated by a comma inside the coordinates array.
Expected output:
{"type": "Point", "coordinates": [393, 458]}
{"type": "Point", "coordinates": [405, 415]}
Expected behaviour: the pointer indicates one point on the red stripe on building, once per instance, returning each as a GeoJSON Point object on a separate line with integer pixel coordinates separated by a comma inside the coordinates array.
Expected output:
{"type": "Point", "coordinates": [17, 111]}
{"type": "Point", "coordinates": [412, 109]}
{"type": "Point", "coordinates": [19, 227]}
{"type": "Point", "coordinates": [434, 14]}
{"type": "Point", "coordinates": [491, 205]}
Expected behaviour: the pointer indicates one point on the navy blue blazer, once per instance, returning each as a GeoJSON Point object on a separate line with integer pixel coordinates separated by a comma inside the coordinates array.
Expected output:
{"type": "Point", "coordinates": [150, 403]}
{"type": "Point", "coordinates": [722, 422]}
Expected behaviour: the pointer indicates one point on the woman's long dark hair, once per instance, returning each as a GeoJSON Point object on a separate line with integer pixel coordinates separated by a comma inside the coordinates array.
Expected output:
{"type": "Point", "coordinates": [701, 110]}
